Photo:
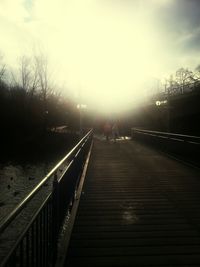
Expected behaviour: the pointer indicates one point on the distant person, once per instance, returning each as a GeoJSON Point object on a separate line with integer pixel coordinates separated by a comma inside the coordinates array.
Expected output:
{"type": "Point", "coordinates": [115, 131]}
{"type": "Point", "coordinates": [107, 130]}
{"type": "Point", "coordinates": [122, 129]}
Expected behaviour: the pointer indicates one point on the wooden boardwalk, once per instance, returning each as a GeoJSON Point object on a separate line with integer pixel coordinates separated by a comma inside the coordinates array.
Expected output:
{"type": "Point", "coordinates": [138, 208]}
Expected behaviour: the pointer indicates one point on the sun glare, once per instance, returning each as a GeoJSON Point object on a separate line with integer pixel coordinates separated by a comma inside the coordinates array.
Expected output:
{"type": "Point", "coordinates": [108, 55]}
{"type": "Point", "coordinates": [103, 51]}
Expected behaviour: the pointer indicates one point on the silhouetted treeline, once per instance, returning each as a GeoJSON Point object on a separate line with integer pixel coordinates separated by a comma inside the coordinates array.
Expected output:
{"type": "Point", "coordinates": [180, 82]}
{"type": "Point", "coordinates": [30, 107]}
{"type": "Point", "coordinates": [22, 112]}
{"type": "Point", "coordinates": [173, 105]}
{"type": "Point", "coordinates": [179, 113]}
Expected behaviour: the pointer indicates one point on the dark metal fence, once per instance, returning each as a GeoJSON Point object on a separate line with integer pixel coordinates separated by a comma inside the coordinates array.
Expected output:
{"type": "Point", "coordinates": [37, 244]}
{"type": "Point", "coordinates": [186, 147]}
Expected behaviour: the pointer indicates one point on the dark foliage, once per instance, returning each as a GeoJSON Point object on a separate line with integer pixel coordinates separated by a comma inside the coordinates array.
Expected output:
{"type": "Point", "coordinates": [27, 119]}
{"type": "Point", "coordinates": [180, 114]}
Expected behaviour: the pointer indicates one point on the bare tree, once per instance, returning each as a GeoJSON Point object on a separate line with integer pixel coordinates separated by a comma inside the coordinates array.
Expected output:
{"type": "Point", "coordinates": [27, 75]}
{"type": "Point", "coordinates": [33, 75]}
{"type": "Point", "coordinates": [171, 85]}
{"type": "Point", "coordinates": [184, 77]}
{"type": "Point", "coordinates": [34, 85]}
{"type": "Point", "coordinates": [2, 67]}
{"type": "Point", "coordinates": [197, 74]}
{"type": "Point", "coordinates": [41, 66]}
{"type": "Point", "coordinates": [2, 72]}
{"type": "Point", "coordinates": [25, 72]}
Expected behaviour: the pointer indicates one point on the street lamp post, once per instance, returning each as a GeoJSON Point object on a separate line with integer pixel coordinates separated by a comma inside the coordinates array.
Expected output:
{"type": "Point", "coordinates": [165, 104]}
{"type": "Point", "coordinates": [168, 105]}
{"type": "Point", "coordinates": [81, 107]}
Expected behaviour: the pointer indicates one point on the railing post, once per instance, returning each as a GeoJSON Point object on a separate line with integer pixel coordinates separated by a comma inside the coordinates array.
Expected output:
{"type": "Point", "coordinates": [55, 217]}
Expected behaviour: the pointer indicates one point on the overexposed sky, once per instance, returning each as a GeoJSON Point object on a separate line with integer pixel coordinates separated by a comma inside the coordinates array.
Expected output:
{"type": "Point", "coordinates": [105, 52]}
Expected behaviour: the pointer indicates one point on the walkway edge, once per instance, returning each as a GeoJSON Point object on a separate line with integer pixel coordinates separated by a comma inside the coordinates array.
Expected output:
{"type": "Point", "coordinates": [66, 238]}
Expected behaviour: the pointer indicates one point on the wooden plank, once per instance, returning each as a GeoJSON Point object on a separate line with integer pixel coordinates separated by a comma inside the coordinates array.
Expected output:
{"type": "Point", "coordinates": [176, 233]}
{"type": "Point", "coordinates": [134, 242]}
{"type": "Point", "coordinates": [137, 208]}
{"type": "Point", "coordinates": [137, 261]}
{"type": "Point", "coordinates": [134, 251]}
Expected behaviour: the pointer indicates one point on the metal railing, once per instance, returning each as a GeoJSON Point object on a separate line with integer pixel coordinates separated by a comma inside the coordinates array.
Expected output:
{"type": "Point", "coordinates": [185, 146]}
{"type": "Point", "coordinates": [172, 136]}
{"type": "Point", "coordinates": [37, 243]}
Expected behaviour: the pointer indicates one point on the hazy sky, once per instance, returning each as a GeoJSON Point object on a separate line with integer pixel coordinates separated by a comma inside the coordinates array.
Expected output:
{"type": "Point", "coordinates": [110, 50]}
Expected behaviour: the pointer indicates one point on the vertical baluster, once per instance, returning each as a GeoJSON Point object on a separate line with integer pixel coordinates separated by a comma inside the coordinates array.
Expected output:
{"type": "Point", "coordinates": [13, 261]}
{"type": "Point", "coordinates": [32, 244]}
{"type": "Point", "coordinates": [40, 238]}
{"type": "Point", "coordinates": [46, 235]}
{"type": "Point", "coordinates": [21, 253]}
{"type": "Point", "coordinates": [49, 233]}
{"type": "Point", "coordinates": [27, 248]}
{"type": "Point", "coordinates": [52, 233]}
{"type": "Point", "coordinates": [55, 216]}
{"type": "Point", "coordinates": [37, 241]}
{"type": "Point", "coordinates": [17, 256]}
{"type": "Point", "coordinates": [43, 235]}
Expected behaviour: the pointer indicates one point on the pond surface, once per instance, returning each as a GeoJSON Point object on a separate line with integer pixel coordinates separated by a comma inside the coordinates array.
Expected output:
{"type": "Point", "coordinates": [17, 181]}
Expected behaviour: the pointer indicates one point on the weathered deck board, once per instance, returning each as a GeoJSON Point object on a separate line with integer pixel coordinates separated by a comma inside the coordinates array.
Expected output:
{"type": "Point", "coordinates": [138, 208]}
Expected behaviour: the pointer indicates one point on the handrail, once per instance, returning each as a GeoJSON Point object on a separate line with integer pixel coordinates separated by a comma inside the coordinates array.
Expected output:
{"type": "Point", "coordinates": [178, 137]}
{"type": "Point", "coordinates": [24, 232]}
{"type": "Point", "coordinates": [6, 221]}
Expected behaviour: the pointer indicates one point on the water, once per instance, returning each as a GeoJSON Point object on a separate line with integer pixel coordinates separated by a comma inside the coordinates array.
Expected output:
{"type": "Point", "coordinates": [17, 181]}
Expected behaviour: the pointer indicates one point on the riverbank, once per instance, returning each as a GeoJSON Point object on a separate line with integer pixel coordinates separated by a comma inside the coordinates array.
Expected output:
{"type": "Point", "coordinates": [24, 164]}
